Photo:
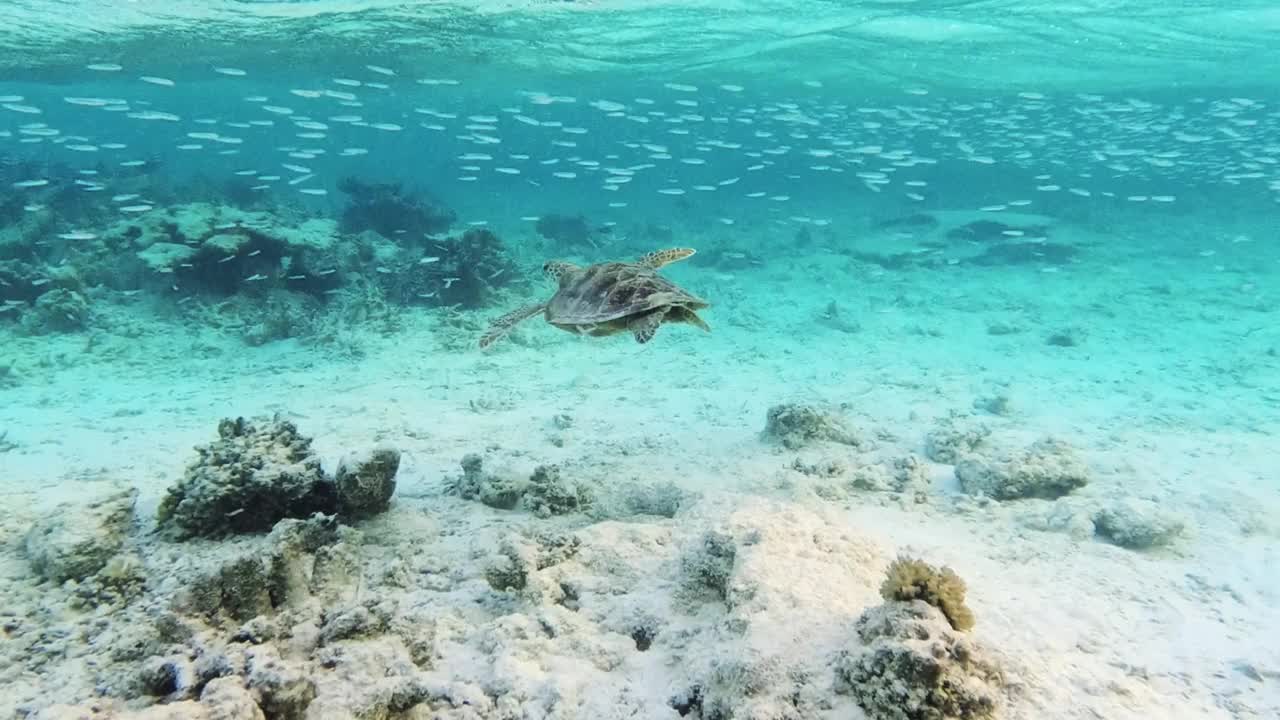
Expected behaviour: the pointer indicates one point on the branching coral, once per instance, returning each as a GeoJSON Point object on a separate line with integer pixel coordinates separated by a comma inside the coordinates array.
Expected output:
{"type": "Point", "coordinates": [910, 579]}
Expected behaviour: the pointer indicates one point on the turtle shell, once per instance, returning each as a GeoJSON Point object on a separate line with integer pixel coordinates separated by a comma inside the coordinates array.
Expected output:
{"type": "Point", "coordinates": [609, 291]}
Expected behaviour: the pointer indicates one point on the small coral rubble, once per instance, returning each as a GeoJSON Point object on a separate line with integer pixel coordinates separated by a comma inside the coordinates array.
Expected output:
{"type": "Point", "coordinates": [1138, 525]}
{"type": "Point", "coordinates": [954, 437]}
{"type": "Point", "coordinates": [796, 425]}
{"type": "Point", "coordinates": [1049, 469]}
{"type": "Point", "coordinates": [545, 493]}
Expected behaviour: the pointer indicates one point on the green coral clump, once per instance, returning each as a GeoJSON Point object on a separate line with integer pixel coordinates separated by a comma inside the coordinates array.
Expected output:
{"type": "Point", "coordinates": [912, 579]}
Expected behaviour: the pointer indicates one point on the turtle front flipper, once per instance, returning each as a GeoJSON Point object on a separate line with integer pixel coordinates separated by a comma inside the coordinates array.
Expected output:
{"type": "Point", "coordinates": [645, 326]}
{"type": "Point", "coordinates": [659, 258]}
{"type": "Point", "coordinates": [503, 325]}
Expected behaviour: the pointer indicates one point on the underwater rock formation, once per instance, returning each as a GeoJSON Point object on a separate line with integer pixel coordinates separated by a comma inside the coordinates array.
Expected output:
{"type": "Point", "coordinates": [547, 492]}
{"type": "Point", "coordinates": [366, 482]}
{"type": "Point", "coordinates": [954, 437]}
{"type": "Point", "coordinates": [661, 499]}
{"type": "Point", "coordinates": [795, 425]}
{"type": "Point", "coordinates": [258, 473]}
{"type": "Point", "coordinates": [914, 666]}
{"type": "Point", "coordinates": [502, 492]}
{"type": "Point", "coordinates": [550, 493]}
{"type": "Point", "coordinates": [388, 210]}
{"type": "Point", "coordinates": [73, 542]}
{"type": "Point", "coordinates": [707, 566]}
{"type": "Point", "coordinates": [43, 299]}
{"type": "Point", "coordinates": [58, 310]}
{"type": "Point", "coordinates": [251, 477]}
{"type": "Point", "coordinates": [1138, 525]}
{"type": "Point", "coordinates": [1049, 469]}
{"type": "Point", "coordinates": [288, 566]}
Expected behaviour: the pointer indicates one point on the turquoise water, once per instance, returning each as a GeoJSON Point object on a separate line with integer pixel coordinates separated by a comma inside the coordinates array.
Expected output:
{"type": "Point", "coordinates": [929, 235]}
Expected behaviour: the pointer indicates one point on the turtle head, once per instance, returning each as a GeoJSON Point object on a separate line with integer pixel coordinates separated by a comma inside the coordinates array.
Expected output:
{"type": "Point", "coordinates": [559, 270]}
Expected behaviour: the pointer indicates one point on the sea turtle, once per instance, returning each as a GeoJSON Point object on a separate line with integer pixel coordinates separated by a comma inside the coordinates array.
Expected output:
{"type": "Point", "coordinates": [610, 297]}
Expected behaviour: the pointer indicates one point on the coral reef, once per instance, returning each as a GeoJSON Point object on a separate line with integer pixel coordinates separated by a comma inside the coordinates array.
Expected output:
{"type": "Point", "coordinates": [366, 482]}
{"type": "Point", "coordinates": [910, 579]}
{"type": "Point", "coordinates": [466, 271]}
{"type": "Point", "coordinates": [388, 210]}
{"type": "Point", "coordinates": [222, 698]}
{"type": "Point", "coordinates": [795, 425]}
{"type": "Point", "coordinates": [954, 437]}
{"type": "Point", "coordinates": [1138, 525]}
{"type": "Point", "coordinates": [569, 233]}
{"type": "Point", "coordinates": [258, 473]}
{"type": "Point", "coordinates": [201, 248]}
{"type": "Point", "coordinates": [74, 542]}
{"type": "Point", "coordinates": [1049, 469]}
{"type": "Point", "coordinates": [913, 666]}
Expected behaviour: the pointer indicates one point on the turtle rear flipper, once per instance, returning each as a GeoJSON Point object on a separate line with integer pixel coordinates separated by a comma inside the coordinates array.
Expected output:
{"type": "Point", "coordinates": [659, 258]}
{"type": "Point", "coordinates": [503, 325]}
{"type": "Point", "coordinates": [645, 326]}
{"type": "Point", "coordinates": [685, 315]}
